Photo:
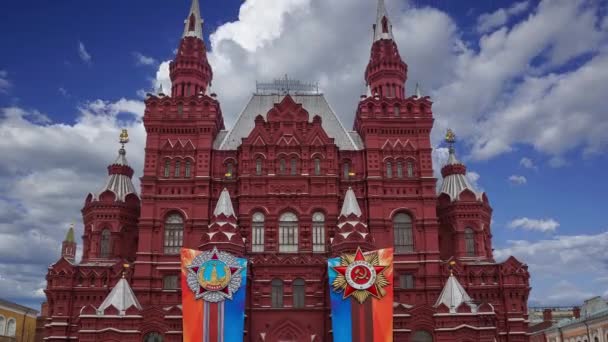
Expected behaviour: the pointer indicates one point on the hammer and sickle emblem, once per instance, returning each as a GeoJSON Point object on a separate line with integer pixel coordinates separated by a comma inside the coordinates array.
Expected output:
{"type": "Point", "coordinates": [361, 274]}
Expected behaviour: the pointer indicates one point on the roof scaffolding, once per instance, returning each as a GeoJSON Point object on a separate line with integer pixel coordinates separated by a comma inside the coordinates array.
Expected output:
{"type": "Point", "coordinates": [283, 86]}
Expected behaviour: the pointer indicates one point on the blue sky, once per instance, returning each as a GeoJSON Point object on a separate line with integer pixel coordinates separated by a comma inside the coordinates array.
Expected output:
{"type": "Point", "coordinates": [523, 91]}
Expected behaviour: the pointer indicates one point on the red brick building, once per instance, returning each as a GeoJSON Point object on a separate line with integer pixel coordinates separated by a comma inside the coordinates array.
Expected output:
{"type": "Point", "coordinates": [303, 188]}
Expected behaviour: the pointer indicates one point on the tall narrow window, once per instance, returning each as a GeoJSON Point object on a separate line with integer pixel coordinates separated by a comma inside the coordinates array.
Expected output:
{"type": "Point", "coordinates": [389, 169]}
{"type": "Point", "coordinates": [282, 166]}
{"type": "Point", "coordinates": [105, 245]}
{"type": "Point", "coordinates": [180, 109]}
{"type": "Point", "coordinates": [174, 234]}
{"type": "Point", "coordinates": [258, 166]}
{"type": "Point", "coordinates": [2, 324]}
{"type": "Point", "coordinates": [346, 170]}
{"type": "Point", "coordinates": [402, 224]}
{"type": "Point", "coordinates": [294, 166]}
{"type": "Point", "coordinates": [188, 168]}
{"type": "Point", "coordinates": [317, 167]}
{"type": "Point", "coordinates": [318, 232]}
{"type": "Point", "coordinates": [167, 168]}
{"type": "Point", "coordinates": [399, 169]}
{"type": "Point", "coordinates": [288, 233]}
{"type": "Point", "coordinates": [406, 281]}
{"type": "Point", "coordinates": [170, 282]}
{"type": "Point", "coordinates": [410, 169]}
{"type": "Point", "coordinates": [299, 293]}
{"type": "Point", "coordinates": [276, 294]}
{"type": "Point", "coordinates": [257, 232]}
{"type": "Point", "coordinates": [11, 327]}
{"type": "Point", "coordinates": [178, 165]}
{"type": "Point", "coordinates": [229, 170]}
{"type": "Point", "coordinates": [469, 241]}
{"type": "Point", "coordinates": [384, 25]}
{"type": "Point", "coordinates": [396, 110]}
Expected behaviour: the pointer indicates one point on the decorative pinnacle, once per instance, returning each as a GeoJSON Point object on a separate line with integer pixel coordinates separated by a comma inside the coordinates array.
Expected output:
{"type": "Point", "coordinates": [451, 267]}
{"type": "Point", "coordinates": [418, 94]}
{"type": "Point", "coordinates": [450, 138]}
{"type": "Point", "coordinates": [124, 138]}
{"type": "Point", "coordinates": [70, 235]}
{"type": "Point", "coordinates": [125, 267]}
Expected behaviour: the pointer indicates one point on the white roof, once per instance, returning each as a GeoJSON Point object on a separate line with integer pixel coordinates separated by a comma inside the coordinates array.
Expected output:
{"type": "Point", "coordinates": [453, 185]}
{"type": "Point", "coordinates": [121, 297]}
{"type": "Point", "coordinates": [350, 205]}
{"type": "Point", "coordinates": [453, 295]}
{"type": "Point", "coordinates": [315, 104]}
{"type": "Point", "coordinates": [121, 185]}
{"type": "Point", "coordinates": [224, 205]}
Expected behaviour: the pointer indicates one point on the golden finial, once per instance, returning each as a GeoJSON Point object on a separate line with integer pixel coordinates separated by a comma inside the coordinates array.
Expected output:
{"type": "Point", "coordinates": [451, 267]}
{"type": "Point", "coordinates": [450, 137]}
{"type": "Point", "coordinates": [124, 137]}
{"type": "Point", "coordinates": [125, 268]}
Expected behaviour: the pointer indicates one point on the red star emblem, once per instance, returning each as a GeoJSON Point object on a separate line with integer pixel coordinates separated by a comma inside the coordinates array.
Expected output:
{"type": "Point", "coordinates": [360, 275]}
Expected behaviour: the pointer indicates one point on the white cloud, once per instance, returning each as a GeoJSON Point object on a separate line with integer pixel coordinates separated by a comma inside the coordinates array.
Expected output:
{"type": "Point", "coordinates": [572, 261]}
{"type": "Point", "coordinates": [488, 21]}
{"type": "Point", "coordinates": [140, 59]}
{"type": "Point", "coordinates": [63, 92]}
{"type": "Point", "coordinates": [518, 180]}
{"type": "Point", "coordinates": [528, 163]}
{"type": "Point", "coordinates": [542, 225]}
{"type": "Point", "coordinates": [84, 54]}
{"type": "Point", "coordinates": [5, 84]}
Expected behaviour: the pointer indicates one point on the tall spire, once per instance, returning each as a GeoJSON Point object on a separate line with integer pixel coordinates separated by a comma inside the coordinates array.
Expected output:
{"type": "Point", "coordinates": [383, 29]}
{"type": "Point", "coordinates": [69, 237]}
{"type": "Point", "coordinates": [454, 173]}
{"type": "Point", "coordinates": [68, 246]}
{"type": "Point", "coordinates": [194, 22]}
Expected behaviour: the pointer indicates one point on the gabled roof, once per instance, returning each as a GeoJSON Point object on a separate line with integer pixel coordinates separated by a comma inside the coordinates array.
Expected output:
{"type": "Point", "coordinates": [350, 205]}
{"type": "Point", "coordinates": [121, 297]}
{"type": "Point", "coordinates": [315, 104]}
{"type": "Point", "coordinates": [224, 205]}
{"type": "Point", "coordinates": [453, 295]}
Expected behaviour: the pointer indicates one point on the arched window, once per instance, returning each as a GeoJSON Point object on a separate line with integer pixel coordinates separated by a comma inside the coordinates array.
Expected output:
{"type": "Point", "coordinates": [318, 232]}
{"type": "Point", "coordinates": [11, 327]}
{"type": "Point", "coordinates": [153, 337]}
{"type": "Point", "coordinates": [404, 242]}
{"type": "Point", "coordinates": [229, 170]}
{"type": "Point", "coordinates": [2, 325]}
{"type": "Point", "coordinates": [282, 166]}
{"type": "Point", "coordinates": [167, 168]}
{"type": "Point", "coordinates": [276, 294]}
{"type": "Point", "coordinates": [399, 169]}
{"type": "Point", "coordinates": [410, 169]}
{"type": "Point", "coordinates": [469, 241]}
{"type": "Point", "coordinates": [178, 164]}
{"type": "Point", "coordinates": [288, 233]}
{"type": "Point", "coordinates": [188, 168]}
{"type": "Point", "coordinates": [299, 293]}
{"type": "Point", "coordinates": [422, 336]}
{"type": "Point", "coordinates": [257, 232]}
{"type": "Point", "coordinates": [294, 166]}
{"type": "Point", "coordinates": [105, 245]}
{"type": "Point", "coordinates": [317, 166]}
{"type": "Point", "coordinates": [180, 107]}
{"type": "Point", "coordinates": [174, 233]}
{"type": "Point", "coordinates": [389, 169]}
{"type": "Point", "coordinates": [346, 170]}
{"type": "Point", "coordinates": [396, 110]}
{"type": "Point", "coordinates": [258, 166]}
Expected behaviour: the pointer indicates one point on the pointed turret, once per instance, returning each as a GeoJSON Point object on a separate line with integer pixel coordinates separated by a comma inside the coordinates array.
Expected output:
{"type": "Point", "coordinates": [383, 29]}
{"type": "Point", "coordinates": [190, 72]}
{"type": "Point", "coordinates": [454, 174]}
{"type": "Point", "coordinates": [386, 72]}
{"type": "Point", "coordinates": [121, 298]}
{"type": "Point", "coordinates": [351, 231]}
{"type": "Point", "coordinates": [223, 231]}
{"type": "Point", "coordinates": [194, 22]}
{"type": "Point", "coordinates": [68, 246]}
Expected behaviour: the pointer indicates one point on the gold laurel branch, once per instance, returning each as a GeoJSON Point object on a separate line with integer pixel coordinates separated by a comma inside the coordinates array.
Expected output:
{"type": "Point", "coordinates": [360, 295]}
{"type": "Point", "coordinates": [339, 283]}
{"type": "Point", "coordinates": [373, 259]}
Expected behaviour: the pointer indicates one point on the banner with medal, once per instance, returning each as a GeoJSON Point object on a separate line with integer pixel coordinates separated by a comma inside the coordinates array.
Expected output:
{"type": "Point", "coordinates": [361, 294]}
{"type": "Point", "coordinates": [213, 296]}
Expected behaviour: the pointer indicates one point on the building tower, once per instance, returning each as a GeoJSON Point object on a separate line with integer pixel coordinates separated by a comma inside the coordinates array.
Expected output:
{"type": "Point", "coordinates": [68, 246]}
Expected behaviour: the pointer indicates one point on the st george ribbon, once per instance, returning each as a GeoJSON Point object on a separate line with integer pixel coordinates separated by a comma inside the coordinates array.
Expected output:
{"type": "Point", "coordinates": [361, 294]}
{"type": "Point", "coordinates": [213, 296]}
